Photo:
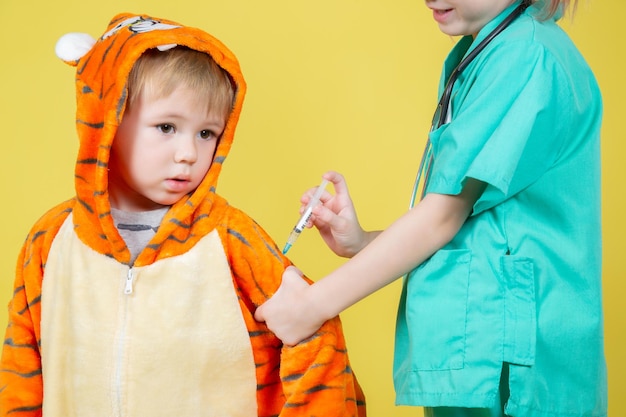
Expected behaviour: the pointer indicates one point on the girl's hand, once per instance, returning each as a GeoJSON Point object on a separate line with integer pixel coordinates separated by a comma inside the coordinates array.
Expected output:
{"type": "Point", "coordinates": [289, 313]}
{"type": "Point", "coordinates": [336, 218]}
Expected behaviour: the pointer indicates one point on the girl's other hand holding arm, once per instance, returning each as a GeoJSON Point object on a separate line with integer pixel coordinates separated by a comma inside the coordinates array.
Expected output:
{"type": "Point", "coordinates": [289, 313]}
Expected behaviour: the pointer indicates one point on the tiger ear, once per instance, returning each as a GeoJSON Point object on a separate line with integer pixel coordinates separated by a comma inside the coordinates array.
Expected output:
{"type": "Point", "coordinates": [73, 46]}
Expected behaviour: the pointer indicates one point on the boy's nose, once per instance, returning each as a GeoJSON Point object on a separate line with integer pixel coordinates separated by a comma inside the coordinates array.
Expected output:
{"type": "Point", "coordinates": [186, 151]}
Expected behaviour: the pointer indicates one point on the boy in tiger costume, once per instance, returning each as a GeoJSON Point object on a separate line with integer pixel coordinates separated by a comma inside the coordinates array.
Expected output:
{"type": "Point", "coordinates": [136, 297]}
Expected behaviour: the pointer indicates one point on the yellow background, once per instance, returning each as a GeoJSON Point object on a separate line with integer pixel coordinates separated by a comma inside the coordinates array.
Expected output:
{"type": "Point", "coordinates": [333, 84]}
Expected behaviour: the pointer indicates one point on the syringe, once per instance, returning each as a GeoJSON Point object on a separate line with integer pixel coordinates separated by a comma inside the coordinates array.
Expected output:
{"type": "Point", "coordinates": [299, 227]}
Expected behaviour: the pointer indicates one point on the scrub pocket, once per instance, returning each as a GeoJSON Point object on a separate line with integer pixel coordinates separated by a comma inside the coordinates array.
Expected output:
{"type": "Point", "coordinates": [520, 312]}
{"type": "Point", "coordinates": [436, 311]}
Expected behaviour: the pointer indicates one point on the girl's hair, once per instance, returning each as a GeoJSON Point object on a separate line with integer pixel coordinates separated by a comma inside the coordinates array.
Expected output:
{"type": "Point", "coordinates": [552, 7]}
{"type": "Point", "coordinates": [156, 74]}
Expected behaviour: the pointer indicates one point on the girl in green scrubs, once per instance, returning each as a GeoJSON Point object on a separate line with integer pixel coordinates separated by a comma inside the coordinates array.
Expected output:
{"type": "Point", "coordinates": [501, 310]}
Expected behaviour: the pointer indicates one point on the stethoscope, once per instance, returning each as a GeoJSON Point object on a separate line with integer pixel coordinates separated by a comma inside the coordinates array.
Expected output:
{"type": "Point", "coordinates": [442, 113]}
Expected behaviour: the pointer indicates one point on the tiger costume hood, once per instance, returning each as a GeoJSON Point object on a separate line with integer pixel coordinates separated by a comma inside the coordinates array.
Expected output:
{"type": "Point", "coordinates": [102, 73]}
{"type": "Point", "coordinates": [172, 333]}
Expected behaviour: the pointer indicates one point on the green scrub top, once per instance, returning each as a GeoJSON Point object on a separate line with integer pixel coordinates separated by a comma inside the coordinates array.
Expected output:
{"type": "Point", "coordinates": [520, 284]}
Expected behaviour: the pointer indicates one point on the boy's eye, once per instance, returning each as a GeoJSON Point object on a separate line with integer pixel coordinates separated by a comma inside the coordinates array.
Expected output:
{"type": "Point", "coordinates": [165, 128]}
{"type": "Point", "coordinates": [206, 134]}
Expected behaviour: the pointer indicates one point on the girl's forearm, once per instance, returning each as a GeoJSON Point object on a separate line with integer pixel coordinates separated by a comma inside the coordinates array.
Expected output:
{"type": "Point", "coordinates": [404, 245]}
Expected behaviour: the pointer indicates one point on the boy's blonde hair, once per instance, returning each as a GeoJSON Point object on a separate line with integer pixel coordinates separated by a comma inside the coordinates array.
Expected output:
{"type": "Point", "coordinates": [156, 74]}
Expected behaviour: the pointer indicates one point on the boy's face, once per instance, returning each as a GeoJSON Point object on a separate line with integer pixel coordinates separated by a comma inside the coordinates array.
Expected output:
{"type": "Point", "coordinates": [162, 150]}
{"type": "Point", "coordinates": [465, 17]}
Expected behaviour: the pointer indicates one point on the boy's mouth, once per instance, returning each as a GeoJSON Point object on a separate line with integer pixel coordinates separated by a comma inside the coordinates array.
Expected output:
{"type": "Point", "coordinates": [178, 184]}
{"type": "Point", "coordinates": [181, 178]}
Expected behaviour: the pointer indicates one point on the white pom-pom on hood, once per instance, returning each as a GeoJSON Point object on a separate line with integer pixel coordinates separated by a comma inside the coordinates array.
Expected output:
{"type": "Point", "coordinates": [73, 46]}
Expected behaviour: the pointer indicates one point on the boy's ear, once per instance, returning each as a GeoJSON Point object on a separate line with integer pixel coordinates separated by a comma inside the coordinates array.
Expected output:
{"type": "Point", "coordinates": [73, 46]}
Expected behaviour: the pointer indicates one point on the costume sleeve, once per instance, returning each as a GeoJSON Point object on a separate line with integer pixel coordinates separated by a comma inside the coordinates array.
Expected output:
{"type": "Point", "coordinates": [508, 123]}
{"type": "Point", "coordinates": [21, 387]}
{"type": "Point", "coordinates": [21, 380]}
{"type": "Point", "coordinates": [317, 377]}
{"type": "Point", "coordinates": [313, 378]}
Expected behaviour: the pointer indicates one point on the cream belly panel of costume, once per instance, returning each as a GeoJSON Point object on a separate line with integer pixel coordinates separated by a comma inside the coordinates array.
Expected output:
{"type": "Point", "coordinates": [177, 345]}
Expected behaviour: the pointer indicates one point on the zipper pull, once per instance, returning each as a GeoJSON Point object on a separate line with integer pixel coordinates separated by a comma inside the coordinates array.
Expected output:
{"type": "Point", "coordinates": [129, 282]}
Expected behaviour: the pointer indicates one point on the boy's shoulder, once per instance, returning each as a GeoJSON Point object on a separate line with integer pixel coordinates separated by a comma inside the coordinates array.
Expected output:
{"type": "Point", "coordinates": [228, 214]}
{"type": "Point", "coordinates": [52, 219]}
{"type": "Point", "coordinates": [243, 233]}
{"type": "Point", "coordinates": [44, 230]}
